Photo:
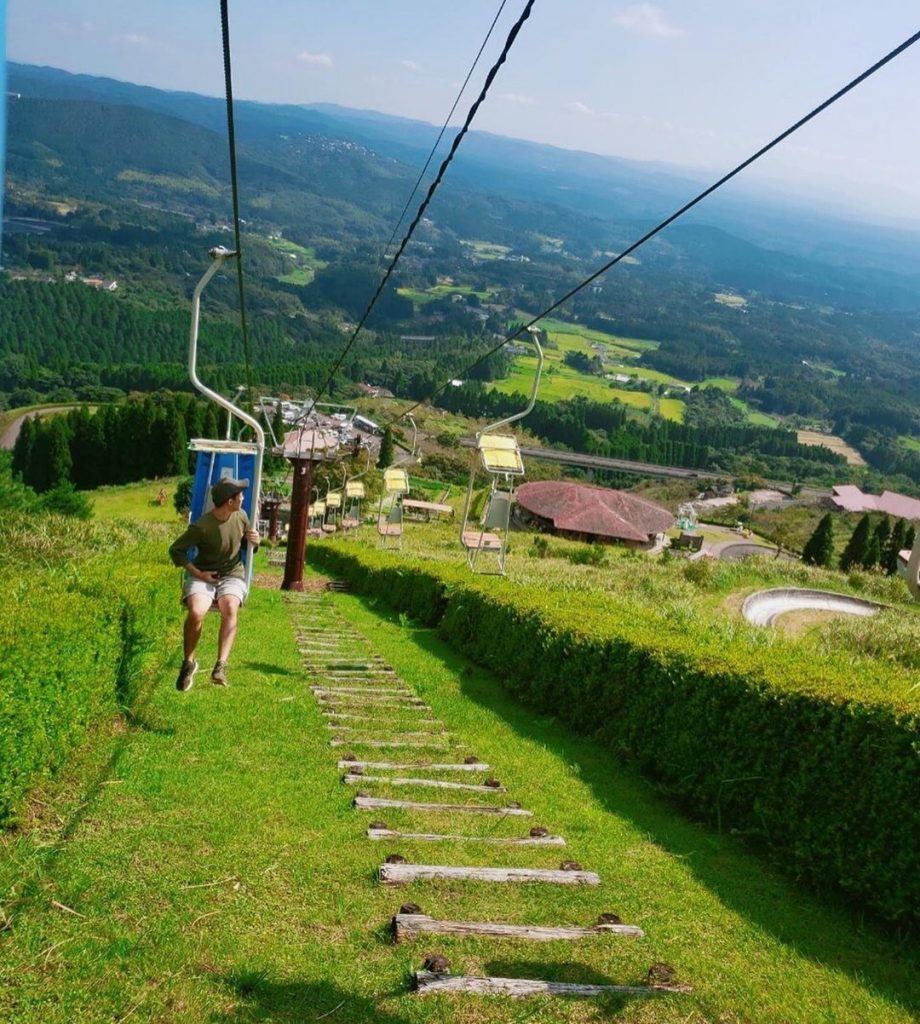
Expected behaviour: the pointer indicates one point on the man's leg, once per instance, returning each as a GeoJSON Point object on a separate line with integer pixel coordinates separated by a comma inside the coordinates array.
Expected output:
{"type": "Point", "coordinates": [197, 607]}
{"type": "Point", "coordinates": [229, 606]}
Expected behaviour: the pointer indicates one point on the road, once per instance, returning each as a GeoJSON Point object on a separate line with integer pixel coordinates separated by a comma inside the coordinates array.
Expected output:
{"type": "Point", "coordinates": [8, 437]}
{"type": "Point", "coordinates": [601, 462]}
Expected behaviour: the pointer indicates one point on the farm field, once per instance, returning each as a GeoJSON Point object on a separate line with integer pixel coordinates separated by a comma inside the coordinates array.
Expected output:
{"type": "Point", "coordinates": [758, 419]}
{"type": "Point", "coordinates": [486, 250]}
{"type": "Point", "coordinates": [561, 381]}
{"type": "Point", "coordinates": [912, 443]}
{"type": "Point", "coordinates": [304, 263]}
{"type": "Point", "coordinates": [836, 444]}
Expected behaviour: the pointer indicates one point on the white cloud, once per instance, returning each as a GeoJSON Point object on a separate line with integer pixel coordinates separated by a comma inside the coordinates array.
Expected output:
{"type": "Point", "coordinates": [320, 59]}
{"type": "Point", "coordinates": [133, 39]}
{"type": "Point", "coordinates": [410, 65]}
{"type": "Point", "coordinates": [581, 108]}
{"type": "Point", "coordinates": [646, 20]}
{"type": "Point", "coordinates": [516, 97]}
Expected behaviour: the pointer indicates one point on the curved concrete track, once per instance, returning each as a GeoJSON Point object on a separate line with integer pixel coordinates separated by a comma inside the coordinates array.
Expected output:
{"type": "Point", "coordinates": [764, 607]}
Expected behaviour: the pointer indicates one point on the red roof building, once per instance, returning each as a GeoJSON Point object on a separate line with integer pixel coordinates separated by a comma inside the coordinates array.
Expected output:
{"type": "Point", "coordinates": [586, 512]}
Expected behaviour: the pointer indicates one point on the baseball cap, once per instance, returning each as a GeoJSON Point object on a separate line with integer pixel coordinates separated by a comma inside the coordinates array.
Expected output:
{"type": "Point", "coordinates": [224, 490]}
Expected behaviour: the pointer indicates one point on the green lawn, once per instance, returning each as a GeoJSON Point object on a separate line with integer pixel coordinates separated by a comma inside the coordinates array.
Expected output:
{"type": "Point", "coordinates": [137, 501]}
{"type": "Point", "coordinates": [913, 443]}
{"type": "Point", "coordinates": [204, 865]}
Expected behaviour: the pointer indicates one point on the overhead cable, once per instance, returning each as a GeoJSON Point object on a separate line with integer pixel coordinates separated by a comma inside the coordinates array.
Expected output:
{"type": "Point", "coordinates": [674, 216]}
{"type": "Point", "coordinates": [437, 142]}
{"type": "Point", "coordinates": [231, 137]}
{"type": "Point", "coordinates": [432, 188]}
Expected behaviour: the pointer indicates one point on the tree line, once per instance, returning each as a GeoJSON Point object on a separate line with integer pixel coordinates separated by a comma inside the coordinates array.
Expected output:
{"type": "Point", "coordinates": [867, 548]}
{"type": "Point", "coordinates": [117, 444]}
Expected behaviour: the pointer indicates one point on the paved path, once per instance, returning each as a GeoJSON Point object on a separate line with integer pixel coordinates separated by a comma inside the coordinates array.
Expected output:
{"type": "Point", "coordinates": [8, 437]}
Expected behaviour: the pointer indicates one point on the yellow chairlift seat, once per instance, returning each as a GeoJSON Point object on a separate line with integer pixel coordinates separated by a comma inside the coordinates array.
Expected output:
{"type": "Point", "coordinates": [500, 454]}
{"type": "Point", "coordinates": [354, 489]}
{"type": "Point", "coordinates": [395, 480]}
{"type": "Point", "coordinates": [334, 499]}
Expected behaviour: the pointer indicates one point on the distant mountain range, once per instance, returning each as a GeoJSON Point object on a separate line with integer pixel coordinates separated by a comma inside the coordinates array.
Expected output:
{"type": "Point", "coordinates": [627, 194]}
{"type": "Point", "coordinates": [346, 173]}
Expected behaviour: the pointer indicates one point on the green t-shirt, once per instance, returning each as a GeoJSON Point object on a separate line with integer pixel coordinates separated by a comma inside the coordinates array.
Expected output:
{"type": "Point", "coordinates": [217, 543]}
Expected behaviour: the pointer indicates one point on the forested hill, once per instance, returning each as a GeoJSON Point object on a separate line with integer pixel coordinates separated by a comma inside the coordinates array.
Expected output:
{"type": "Point", "coordinates": [127, 187]}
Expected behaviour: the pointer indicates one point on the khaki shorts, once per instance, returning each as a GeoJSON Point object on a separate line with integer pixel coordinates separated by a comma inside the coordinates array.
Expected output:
{"type": "Point", "coordinates": [227, 586]}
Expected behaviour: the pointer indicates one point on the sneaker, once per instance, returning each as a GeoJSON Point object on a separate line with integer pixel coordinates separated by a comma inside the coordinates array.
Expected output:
{"type": "Point", "coordinates": [186, 675]}
{"type": "Point", "coordinates": [219, 674]}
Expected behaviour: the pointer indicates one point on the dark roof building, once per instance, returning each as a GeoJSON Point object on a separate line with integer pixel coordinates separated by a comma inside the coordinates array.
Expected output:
{"type": "Point", "coordinates": [585, 512]}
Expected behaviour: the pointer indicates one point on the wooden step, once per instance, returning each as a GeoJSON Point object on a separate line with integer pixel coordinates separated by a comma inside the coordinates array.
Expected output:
{"type": "Point", "coordinates": [398, 874]}
{"type": "Point", "coordinates": [371, 803]}
{"type": "Point", "coordinates": [378, 690]}
{"type": "Point", "coordinates": [426, 982]}
{"type": "Point", "coordinates": [476, 766]}
{"type": "Point", "coordinates": [410, 926]}
{"type": "Point", "coordinates": [430, 837]}
{"type": "Point", "coordinates": [356, 780]}
{"type": "Point", "coordinates": [356, 741]}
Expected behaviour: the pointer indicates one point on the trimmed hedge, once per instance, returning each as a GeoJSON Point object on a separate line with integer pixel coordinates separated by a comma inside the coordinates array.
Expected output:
{"type": "Point", "coordinates": [74, 642]}
{"type": "Point", "coordinates": [760, 739]}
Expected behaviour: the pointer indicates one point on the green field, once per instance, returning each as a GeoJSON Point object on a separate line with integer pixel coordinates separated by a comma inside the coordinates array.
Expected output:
{"type": "Point", "coordinates": [486, 250]}
{"type": "Point", "coordinates": [728, 384]}
{"type": "Point", "coordinates": [758, 419]}
{"type": "Point", "coordinates": [565, 382]}
{"type": "Point", "coordinates": [138, 502]}
{"type": "Point", "coordinates": [303, 267]}
{"type": "Point", "coordinates": [913, 443]}
{"type": "Point", "coordinates": [671, 409]}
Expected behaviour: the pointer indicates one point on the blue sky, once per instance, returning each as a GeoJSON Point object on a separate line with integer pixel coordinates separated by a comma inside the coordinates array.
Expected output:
{"type": "Point", "coordinates": [691, 83]}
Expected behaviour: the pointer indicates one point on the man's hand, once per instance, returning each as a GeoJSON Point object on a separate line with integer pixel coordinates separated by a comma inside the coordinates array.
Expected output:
{"type": "Point", "coordinates": [208, 577]}
{"type": "Point", "coordinates": [253, 537]}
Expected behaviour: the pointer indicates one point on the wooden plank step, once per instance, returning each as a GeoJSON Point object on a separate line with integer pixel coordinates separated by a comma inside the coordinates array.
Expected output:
{"type": "Point", "coordinates": [397, 874]}
{"type": "Point", "coordinates": [390, 690]}
{"type": "Point", "coordinates": [391, 731]}
{"type": "Point", "coordinates": [410, 926]}
{"type": "Point", "coordinates": [372, 803]}
{"type": "Point", "coordinates": [431, 837]}
{"type": "Point", "coordinates": [426, 982]}
{"type": "Point", "coordinates": [355, 780]}
{"type": "Point", "coordinates": [356, 699]}
{"type": "Point", "coordinates": [473, 766]}
{"type": "Point", "coordinates": [355, 741]}
{"type": "Point", "coordinates": [378, 718]}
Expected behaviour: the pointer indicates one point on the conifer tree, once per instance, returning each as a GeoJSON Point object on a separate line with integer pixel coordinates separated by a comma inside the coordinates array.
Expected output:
{"type": "Point", "coordinates": [883, 532]}
{"type": "Point", "coordinates": [59, 459]}
{"type": "Point", "coordinates": [909, 537]}
{"type": "Point", "coordinates": [894, 546]}
{"type": "Point", "coordinates": [873, 552]}
{"type": "Point", "coordinates": [820, 547]}
{"type": "Point", "coordinates": [386, 450]}
{"type": "Point", "coordinates": [176, 454]}
{"type": "Point", "coordinates": [857, 546]}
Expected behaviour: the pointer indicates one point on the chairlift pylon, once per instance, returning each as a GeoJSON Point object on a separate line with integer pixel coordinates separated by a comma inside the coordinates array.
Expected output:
{"type": "Point", "coordinates": [500, 456]}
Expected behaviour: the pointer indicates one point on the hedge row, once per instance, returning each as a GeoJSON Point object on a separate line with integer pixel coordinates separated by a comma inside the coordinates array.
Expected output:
{"type": "Point", "coordinates": [753, 738]}
{"type": "Point", "coordinates": [74, 642]}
